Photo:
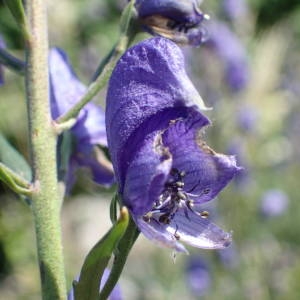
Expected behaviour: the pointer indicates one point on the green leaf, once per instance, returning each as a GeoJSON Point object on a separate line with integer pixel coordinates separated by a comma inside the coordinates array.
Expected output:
{"type": "Point", "coordinates": [87, 288]}
{"type": "Point", "coordinates": [11, 158]}
{"type": "Point", "coordinates": [126, 17]}
{"type": "Point", "coordinates": [113, 208]}
{"type": "Point", "coordinates": [17, 10]}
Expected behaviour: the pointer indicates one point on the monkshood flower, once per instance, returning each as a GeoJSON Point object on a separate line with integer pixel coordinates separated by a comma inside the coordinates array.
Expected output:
{"type": "Point", "coordinates": [162, 165]}
{"type": "Point", "coordinates": [198, 276]}
{"type": "Point", "coordinates": [231, 52]}
{"type": "Point", "coordinates": [180, 21]}
{"type": "Point", "coordinates": [2, 45]}
{"type": "Point", "coordinates": [116, 293]}
{"type": "Point", "coordinates": [274, 203]}
{"type": "Point", "coordinates": [89, 130]}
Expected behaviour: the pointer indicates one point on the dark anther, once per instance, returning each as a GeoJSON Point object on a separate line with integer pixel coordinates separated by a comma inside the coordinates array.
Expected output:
{"type": "Point", "coordinates": [204, 214]}
{"type": "Point", "coordinates": [165, 219]}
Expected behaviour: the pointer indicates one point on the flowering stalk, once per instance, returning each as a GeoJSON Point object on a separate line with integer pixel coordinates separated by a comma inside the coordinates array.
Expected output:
{"type": "Point", "coordinates": [45, 199]}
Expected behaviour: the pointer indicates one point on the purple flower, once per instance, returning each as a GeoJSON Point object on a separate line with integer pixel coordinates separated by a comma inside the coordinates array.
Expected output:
{"type": "Point", "coordinates": [247, 118]}
{"type": "Point", "coordinates": [162, 165]}
{"type": "Point", "coordinates": [198, 276]}
{"type": "Point", "coordinates": [274, 203]}
{"type": "Point", "coordinates": [234, 9]}
{"type": "Point", "coordinates": [89, 130]}
{"type": "Point", "coordinates": [2, 45]}
{"type": "Point", "coordinates": [232, 54]}
{"type": "Point", "coordinates": [180, 21]}
{"type": "Point", "coordinates": [229, 256]}
{"type": "Point", "coordinates": [115, 294]}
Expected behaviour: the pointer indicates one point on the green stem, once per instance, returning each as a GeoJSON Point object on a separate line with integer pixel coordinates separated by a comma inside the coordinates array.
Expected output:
{"type": "Point", "coordinates": [11, 62]}
{"type": "Point", "coordinates": [46, 200]}
{"type": "Point", "coordinates": [121, 255]}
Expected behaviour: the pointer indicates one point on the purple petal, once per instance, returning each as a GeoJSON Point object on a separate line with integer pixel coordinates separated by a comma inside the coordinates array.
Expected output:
{"type": "Point", "coordinates": [146, 175]}
{"type": "Point", "coordinates": [206, 172]}
{"type": "Point", "coordinates": [186, 227]}
{"type": "Point", "coordinates": [181, 11]}
{"type": "Point", "coordinates": [156, 233]}
{"type": "Point", "coordinates": [172, 19]}
{"type": "Point", "coordinates": [149, 80]}
{"type": "Point", "coordinates": [66, 89]}
{"type": "Point", "coordinates": [95, 160]}
{"type": "Point", "coordinates": [91, 130]}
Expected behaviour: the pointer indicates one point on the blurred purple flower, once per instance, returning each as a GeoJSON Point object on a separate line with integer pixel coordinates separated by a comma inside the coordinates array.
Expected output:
{"type": "Point", "coordinates": [180, 21]}
{"type": "Point", "coordinates": [89, 130]}
{"type": "Point", "coordinates": [198, 276]}
{"type": "Point", "coordinates": [116, 293]}
{"type": "Point", "coordinates": [232, 54]}
{"type": "Point", "coordinates": [274, 203]}
{"type": "Point", "coordinates": [162, 165]}
{"type": "Point", "coordinates": [234, 9]}
{"type": "Point", "coordinates": [247, 118]}
{"type": "Point", "coordinates": [229, 256]}
{"type": "Point", "coordinates": [2, 45]}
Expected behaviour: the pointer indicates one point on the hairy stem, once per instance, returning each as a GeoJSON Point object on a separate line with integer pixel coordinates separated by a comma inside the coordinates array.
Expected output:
{"type": "Point", "coordinates": [46, 199]}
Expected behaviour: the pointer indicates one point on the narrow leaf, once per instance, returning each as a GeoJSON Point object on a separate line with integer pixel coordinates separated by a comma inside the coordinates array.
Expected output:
{"type": "Point", "coordinates": [10, 157]}
{"type": "Point", "coordinates": [87, 288]}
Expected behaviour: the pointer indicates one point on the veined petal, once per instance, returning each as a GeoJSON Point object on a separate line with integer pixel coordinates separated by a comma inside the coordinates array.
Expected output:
{"type": "Point", "coordinates": [187, 227]}
{"type": "Point", "coordinates": [206, 172]}
{"type": "Point", "coordinates": [197, 231]}
{"type": "Point", "coordinates": [149, 80]}
{"type": "Point", "coordinates": [156, 233]}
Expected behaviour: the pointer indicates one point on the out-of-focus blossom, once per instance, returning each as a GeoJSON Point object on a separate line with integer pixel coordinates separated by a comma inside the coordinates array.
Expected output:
{"type": "Point", "coordinates": [274, 203]}
{"type": "Point", "coordinates": [247, 117]}
{"type": "Point", "coordinates": [2, 45]}
{"type": "Point", "coordinates": [229, 256]}
{"type": "Point", "coordinates": [116, 293]}
{"type": "Point", "coordinates": [180, 21]}
{"type": "Point", "coordinates": [198, 276]}
{"type": "Point", "coordinates": [162, 165]}
{"type": "Point", "coordinates": [234, 9]}
{"type": "Point", "coordinates": [89, 129]}
{"type": "Point", "coordinates": [231, 52]}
